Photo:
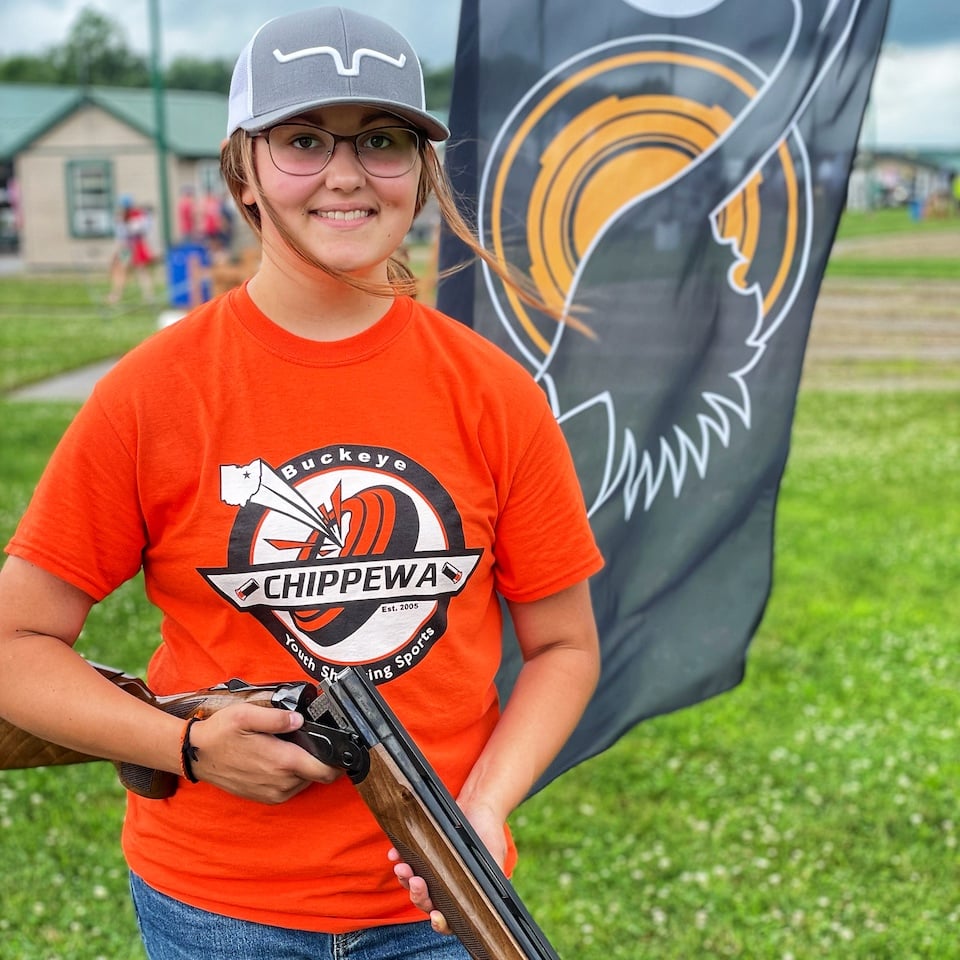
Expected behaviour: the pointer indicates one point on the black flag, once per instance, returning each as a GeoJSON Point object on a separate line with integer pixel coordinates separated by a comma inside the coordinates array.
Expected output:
{"type": "Point", "coordinates": [671, 174]}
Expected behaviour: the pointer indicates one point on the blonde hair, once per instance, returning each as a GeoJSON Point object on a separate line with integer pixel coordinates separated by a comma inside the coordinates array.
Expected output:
{"type": "Point", "coordinates": [239, 172]}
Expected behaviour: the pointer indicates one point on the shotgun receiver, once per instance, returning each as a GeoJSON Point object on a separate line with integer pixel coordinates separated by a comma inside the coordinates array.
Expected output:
{"type": "Point", "coordinates": [349, 725]}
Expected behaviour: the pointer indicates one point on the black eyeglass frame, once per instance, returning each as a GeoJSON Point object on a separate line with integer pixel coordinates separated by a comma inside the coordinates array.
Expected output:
{"type": "Point", "coordinates": [338, 138]}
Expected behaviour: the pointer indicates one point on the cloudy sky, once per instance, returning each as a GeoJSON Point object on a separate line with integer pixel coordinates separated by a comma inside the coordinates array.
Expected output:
{"type": "Point", "coordinates": [915, 99]}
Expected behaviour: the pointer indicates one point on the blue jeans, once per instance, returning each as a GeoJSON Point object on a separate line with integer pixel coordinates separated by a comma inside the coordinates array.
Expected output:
{"type": "Point", "coordinates": [172, 930]}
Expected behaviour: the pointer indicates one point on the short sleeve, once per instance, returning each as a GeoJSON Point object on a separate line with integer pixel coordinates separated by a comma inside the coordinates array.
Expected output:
{"type": "Point", "coordinates": [544, 542]}
{"type": "Point", "coordinates": [83, 523]}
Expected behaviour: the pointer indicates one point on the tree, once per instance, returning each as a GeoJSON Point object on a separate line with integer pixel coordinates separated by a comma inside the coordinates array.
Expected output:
{"type": "Point", "coordinates": [438, 85]}
{"type": "Point", "coordinates": [23, 68]}
{"type": "Point", "coordinates": [96, 52]}
{"type": "Point", "coordinates": [191, 73]}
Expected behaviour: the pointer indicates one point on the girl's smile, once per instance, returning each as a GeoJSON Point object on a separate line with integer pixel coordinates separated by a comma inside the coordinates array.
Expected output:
{"type": "Point", "coordinates": [343, 216]}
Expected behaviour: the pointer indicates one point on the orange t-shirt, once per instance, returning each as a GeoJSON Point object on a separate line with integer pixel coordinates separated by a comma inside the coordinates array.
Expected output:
{"type": "Point", "coordinates": [298, 506]}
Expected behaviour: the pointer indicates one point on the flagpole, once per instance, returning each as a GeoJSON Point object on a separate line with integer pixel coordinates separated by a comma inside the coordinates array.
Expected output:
{"type": "Point", "coordinates": [160, 121]}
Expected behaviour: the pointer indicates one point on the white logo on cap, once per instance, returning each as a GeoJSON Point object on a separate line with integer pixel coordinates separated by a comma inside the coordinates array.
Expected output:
{"type": "Point", "coordinates": [353, 70]}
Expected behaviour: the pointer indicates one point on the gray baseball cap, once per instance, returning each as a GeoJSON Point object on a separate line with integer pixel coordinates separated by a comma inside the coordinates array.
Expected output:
{"type": "Point", "coordinates": [326, 56]}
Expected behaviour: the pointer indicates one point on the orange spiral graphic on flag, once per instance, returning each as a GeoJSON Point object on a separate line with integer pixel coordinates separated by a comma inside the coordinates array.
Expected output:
{"type": "Point", "coordinates": [616, 148]}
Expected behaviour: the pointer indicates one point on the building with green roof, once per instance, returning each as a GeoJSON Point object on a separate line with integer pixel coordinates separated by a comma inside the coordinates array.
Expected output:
{"type": "Point", "coordinates": [68, 154]}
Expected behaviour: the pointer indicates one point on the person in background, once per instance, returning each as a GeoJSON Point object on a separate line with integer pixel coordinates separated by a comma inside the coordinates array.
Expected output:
{"type": "Point", "coordinates": [211, 221]}
{"type": "Point", "coordinates": [187, 214]}
{"type": "Point", "coordinates": [131, 251]}
{"type": "Point", "coordinates": [314, 419]}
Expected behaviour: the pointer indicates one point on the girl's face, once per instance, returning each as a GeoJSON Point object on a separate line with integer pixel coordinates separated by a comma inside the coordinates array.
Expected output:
{"type": "Point", "coordinates": [347, 218]}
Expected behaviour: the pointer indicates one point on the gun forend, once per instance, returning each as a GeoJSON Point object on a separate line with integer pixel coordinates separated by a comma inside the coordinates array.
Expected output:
{"type": "Point", "coordinates": [426, 826]}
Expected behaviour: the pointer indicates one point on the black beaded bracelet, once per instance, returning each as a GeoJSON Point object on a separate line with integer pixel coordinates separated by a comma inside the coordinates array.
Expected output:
{"type": "Point", "coordinates": [188, 752]}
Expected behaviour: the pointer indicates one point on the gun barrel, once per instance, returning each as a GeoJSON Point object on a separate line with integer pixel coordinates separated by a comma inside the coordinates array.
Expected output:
{"type": "Point", "coordinates": [423, 821]}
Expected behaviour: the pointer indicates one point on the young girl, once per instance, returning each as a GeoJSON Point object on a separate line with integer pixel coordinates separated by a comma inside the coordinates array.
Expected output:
{"type": "Point", "coordinates": [312, 470]}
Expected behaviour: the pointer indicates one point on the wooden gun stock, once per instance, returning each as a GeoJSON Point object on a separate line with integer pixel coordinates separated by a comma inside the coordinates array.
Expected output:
{"type": "Point", "coordinates": [351, 726]}
{"type": "Point", "coordinates": [20, 750]}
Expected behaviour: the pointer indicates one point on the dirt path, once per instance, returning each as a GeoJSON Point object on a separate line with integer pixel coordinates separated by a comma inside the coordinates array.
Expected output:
{"type": "Point", "coordinates": [937, 245]}
{"type": "Point", "coordinates": [882, 334]}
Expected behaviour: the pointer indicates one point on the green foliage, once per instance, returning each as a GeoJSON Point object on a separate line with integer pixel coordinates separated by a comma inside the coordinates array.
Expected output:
{"type": "Point", "coordinates": [438, 85]}
{"type": "Point", "coordinates": [24, 68]}
{"type": "Point", "coordinates": [69, 898]}
{"type": "Point", "coordinates": [65, 892]}
{"type": "Point", "coordinates": [96, 52]}
{"type": "Point", "coordinates": [192, 73]}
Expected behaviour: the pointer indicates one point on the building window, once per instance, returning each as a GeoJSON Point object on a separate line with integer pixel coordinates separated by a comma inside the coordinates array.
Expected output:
{"type": "Point", "coordinates": [208, 173]}
{"type": "Point", "coordinates": [89, 193]}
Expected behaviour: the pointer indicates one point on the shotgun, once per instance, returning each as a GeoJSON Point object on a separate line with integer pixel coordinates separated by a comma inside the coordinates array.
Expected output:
{"type": "Point", "coordinates": [349, 725]}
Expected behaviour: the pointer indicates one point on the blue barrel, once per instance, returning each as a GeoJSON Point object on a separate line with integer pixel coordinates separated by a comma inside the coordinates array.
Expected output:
{"type": "Point", "coordinates": [188, 275]}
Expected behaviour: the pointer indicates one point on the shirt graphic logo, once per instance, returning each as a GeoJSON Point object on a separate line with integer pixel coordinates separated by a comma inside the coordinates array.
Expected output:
{"type": "Point", "coordinates": [347, 555]}
{"type": "Point", "coordinates": [342, 69]}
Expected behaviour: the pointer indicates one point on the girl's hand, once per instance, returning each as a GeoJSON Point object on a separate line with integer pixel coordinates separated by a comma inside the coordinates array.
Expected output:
{"type": "Point", "coordinates": [488, 826]}
{"type": "Point", "coordinates": [238, 751]}
{"type": "Point", "coordinates": [419, 894]}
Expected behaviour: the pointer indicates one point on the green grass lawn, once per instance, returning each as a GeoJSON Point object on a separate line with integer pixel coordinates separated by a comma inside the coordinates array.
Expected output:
{"type": "Point", "coordinates": [49, 324]}
{"type": "Point", "coordinates": [933, 268]}
{"type": "Point", "coordinates": [891, 220]}
{"type": "Point", "coordinates": [810, 813]}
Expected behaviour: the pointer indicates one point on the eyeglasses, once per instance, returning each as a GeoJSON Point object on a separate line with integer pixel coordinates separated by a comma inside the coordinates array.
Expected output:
{"type": "Point", "coordinates": [302, 149]}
